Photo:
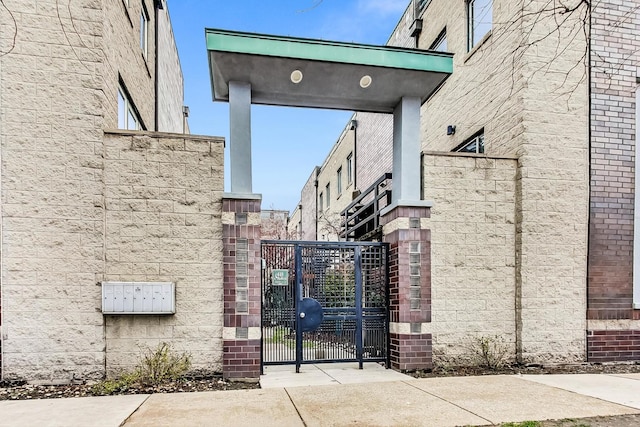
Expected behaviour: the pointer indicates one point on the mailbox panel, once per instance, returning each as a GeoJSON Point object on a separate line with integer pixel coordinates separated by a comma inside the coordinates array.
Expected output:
{"type": "Point", "coordinates": [138, 298]}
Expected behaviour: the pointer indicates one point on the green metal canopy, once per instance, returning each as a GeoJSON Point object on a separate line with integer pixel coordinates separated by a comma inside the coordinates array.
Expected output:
{"type": "Point", "coordinates": [322, 74]}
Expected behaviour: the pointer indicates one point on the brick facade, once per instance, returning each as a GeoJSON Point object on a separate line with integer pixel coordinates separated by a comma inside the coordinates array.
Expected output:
{"type": "Point", "coordinates": [613, 149]}
{"type": "Point", "coordinates": [242, 359]}
{"type": "Point", "coordinates": [242, 299]}
{"type": "Point", "coordinates": [411, 352]}
{"type": "Point", "coordinates": [409, 287]}
{"type": "Point", "coordinates": [605, 346]}
{"type": "Point", "coordinates": [613, 152]}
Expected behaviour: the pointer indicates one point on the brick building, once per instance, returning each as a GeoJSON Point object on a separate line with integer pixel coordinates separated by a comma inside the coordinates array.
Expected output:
{"type": "Point", "coordinates": [528, 156]}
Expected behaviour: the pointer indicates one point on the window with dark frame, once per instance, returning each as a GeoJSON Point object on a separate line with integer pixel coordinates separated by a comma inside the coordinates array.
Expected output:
{"type": "Point", "coordinates": [479, 21]}
{"type": "Point", "coordinates": [440, 43]}
{"type": "Point", "coordinates": [350, 168]}
{"type": "Point", "coordinates": [327, 191]}
{"type": "Point", "coordinates": [474, 144]}
{"type": "Point", "coordinates": [320, 202]}
{"type": "Point", "coordinates": [144, 30]}
{"type": "Point", "coordinates": [421, 5]}
{"type": "Point", "coordinates": [128, 117]}
{"type": "Point", "coordinates": [339, 179]}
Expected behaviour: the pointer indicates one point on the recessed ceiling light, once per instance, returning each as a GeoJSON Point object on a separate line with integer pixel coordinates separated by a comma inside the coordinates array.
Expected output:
{"type": "Point", "coordinates": [296, 76]}
{"type": "Point", "coordinates": [365, 82]}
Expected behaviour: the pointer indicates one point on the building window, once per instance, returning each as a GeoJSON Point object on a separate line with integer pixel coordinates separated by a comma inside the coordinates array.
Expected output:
{"type": "Point", "coordinates": [339, 178]}
{"type": "Point", "coordinates": [475, 144]}
{"type": "Point", "coordinates": [421, 5]}
{"type": "Point", "coordinates": [144, 30]}
{"type": "Point", "coordinates": [440, 43]}
{"type": "Point", "coordinates": [127, 114]}
{"type": "Point", "coordinates": [350, 168]}
{"type": "Point", "coordinates": [327, 191]}
{"type": "Point", "coordinates": [479, 20]}
{"type": "Point", "coordinates": [320, 203]}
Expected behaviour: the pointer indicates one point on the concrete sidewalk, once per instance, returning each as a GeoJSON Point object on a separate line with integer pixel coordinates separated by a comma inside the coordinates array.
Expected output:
{"type": "Point", "coordinates": [413, 402]}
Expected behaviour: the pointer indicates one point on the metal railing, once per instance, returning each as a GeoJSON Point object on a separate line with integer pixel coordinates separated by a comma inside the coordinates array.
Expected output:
{"type": "Point", "coordinates": [361, 219]}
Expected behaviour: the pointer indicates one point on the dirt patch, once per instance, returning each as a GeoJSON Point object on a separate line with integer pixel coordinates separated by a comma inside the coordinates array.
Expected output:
{"type": "Point", "coordinates": [533, 369]}
{"type": "Point", "coordinates": [23, 391]}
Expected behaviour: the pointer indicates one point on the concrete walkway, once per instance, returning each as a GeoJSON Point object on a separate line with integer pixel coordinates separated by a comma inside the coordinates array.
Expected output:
{"type": "Point", "coordinates": [327, 374]}
{"type": "Point", "coordinates": [408, 402]}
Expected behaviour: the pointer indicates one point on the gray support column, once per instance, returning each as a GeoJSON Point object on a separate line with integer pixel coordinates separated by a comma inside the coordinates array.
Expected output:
{"type": "Point", "coordinates": [240, 137]}
{"type": "Point", "coordinates": [406, 152]}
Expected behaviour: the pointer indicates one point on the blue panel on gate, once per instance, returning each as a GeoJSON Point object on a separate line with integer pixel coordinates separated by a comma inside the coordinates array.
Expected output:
{"type": "Point", "coordinates": [310, 314]}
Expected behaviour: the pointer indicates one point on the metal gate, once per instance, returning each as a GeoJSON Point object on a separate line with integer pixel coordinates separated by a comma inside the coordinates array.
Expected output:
{"type": "Point", "coordinates": [324, 302]}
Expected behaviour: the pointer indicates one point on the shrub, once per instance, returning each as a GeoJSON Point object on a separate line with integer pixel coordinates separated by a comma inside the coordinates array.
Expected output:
{"type": "Point", "coordinates": [154, 368]}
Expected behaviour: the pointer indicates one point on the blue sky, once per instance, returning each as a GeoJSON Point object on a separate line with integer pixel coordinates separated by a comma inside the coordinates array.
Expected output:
{"type": "Point", "coordinates": [287, 142]}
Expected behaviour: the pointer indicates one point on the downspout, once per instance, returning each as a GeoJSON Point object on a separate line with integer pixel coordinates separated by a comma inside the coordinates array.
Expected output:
{"type": "Point", "coordinates": [354, 127]}
{"type": "Point", "coordinates": [156, 8]}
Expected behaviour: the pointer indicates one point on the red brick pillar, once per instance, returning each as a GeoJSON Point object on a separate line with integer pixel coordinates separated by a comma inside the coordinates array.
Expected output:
{"type": "Point", "coordinates": [241, 246]}
{"type": "Point", "coordinates": [409, 287]}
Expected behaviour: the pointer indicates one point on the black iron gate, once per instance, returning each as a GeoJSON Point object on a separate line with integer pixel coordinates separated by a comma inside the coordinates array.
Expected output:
{"type": "Point", "coordinates": [324, 302]}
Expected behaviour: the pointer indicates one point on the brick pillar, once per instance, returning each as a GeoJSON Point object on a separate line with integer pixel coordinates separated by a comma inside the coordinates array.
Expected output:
{"type": "Point", "coordinates": [241, 246]}
{"type": "Point", "coordinates": [409, 287]}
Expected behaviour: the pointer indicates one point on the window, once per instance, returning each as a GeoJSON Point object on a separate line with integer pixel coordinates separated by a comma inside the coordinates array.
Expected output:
{"type": "Point", "coordinates": [421, 5]}
{"type": "Point", "coordinates": [327, 191]}
{"type": "Point", "coordinates": [350, 168]}
{"type": "Point", "coordinates": [127, 114]}
{"type": "Point", "coordinates": [339, 178]}
{"type": "Point", "coordinates": [320, 202]}
{"type": "Point", "coordinates": [475, 144]}
{"type": "Point", "coordinates": [144, 27]}
{"type": "Point", "coordinates": [440, 43]}
{"type": "Point", "coordinates": [479, 20]}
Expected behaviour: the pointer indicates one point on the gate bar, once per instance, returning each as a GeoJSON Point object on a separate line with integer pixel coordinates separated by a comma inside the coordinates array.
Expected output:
{"type": "Point", "coordinates": [298, 297]}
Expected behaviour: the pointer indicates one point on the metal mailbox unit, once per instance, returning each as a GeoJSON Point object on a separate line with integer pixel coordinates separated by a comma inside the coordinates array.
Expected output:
{"type": "Point", "coordinates": [138, 298]}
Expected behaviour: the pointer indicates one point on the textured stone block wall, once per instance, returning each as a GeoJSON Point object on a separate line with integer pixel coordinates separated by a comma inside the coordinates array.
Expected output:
{"type": "Point", "coordinates": [52, 207]}
{"type": "Point", "coordinates": [163, 200]}
{"type": "Point", "coordinates": [472, 251]}
{"type": "Point", "coordinates": [540, 117]}
{"type": "Point", "coordinates": [123, 60]}
{"type": "Point", "coordinates": [170, 78]}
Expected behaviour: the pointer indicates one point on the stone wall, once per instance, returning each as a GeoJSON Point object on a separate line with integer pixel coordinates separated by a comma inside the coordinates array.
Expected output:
{"type": "Point", "coordinates": [124, 61]}
{"type": "Point", "coordinates": [553, 172]}
{"type": "Point", "coordinates": [163, 201]}
{"type": "Point", "coordinates": [534, 108]}
{"type": "Point", "coordinates": [52, 207]}
{"type": "Point", "coordinates": [473, 260]}
{"type": "Point", "coordinates": [170, 79]}
{"type": "Point", "coordinates": [60, 69]}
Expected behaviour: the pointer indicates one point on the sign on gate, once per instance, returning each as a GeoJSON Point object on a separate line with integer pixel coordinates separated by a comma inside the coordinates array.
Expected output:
{"type": "Point", "coordinates": [280, 277]}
